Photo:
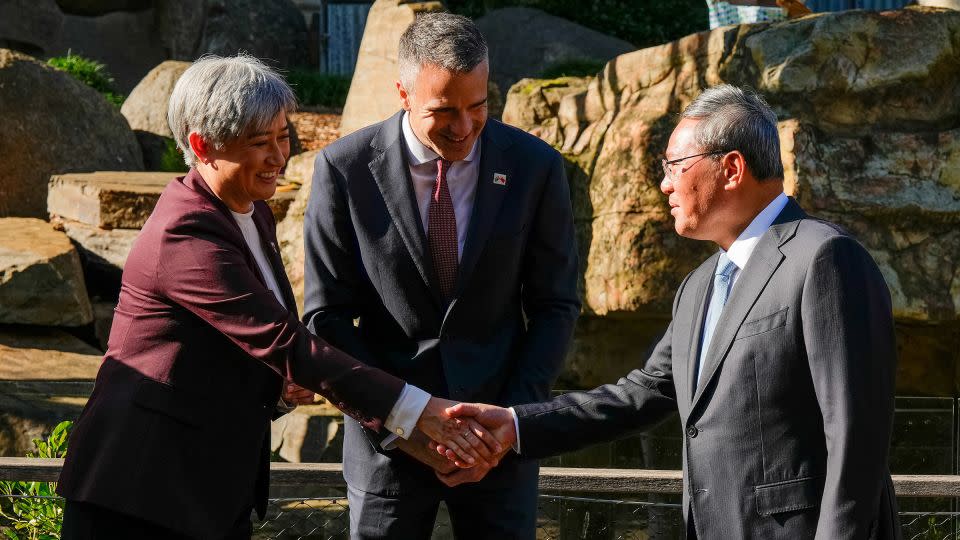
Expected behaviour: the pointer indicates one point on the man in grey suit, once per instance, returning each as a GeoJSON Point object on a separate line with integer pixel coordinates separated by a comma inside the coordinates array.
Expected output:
{"type": "Point", "coordinates": [780, 355]}
{"type": "Point", "coordinates": [450, 238]}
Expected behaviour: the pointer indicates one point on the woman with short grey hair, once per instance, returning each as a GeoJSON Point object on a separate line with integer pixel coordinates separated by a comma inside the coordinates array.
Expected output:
{"type": "Point", "coordinates": [174, 442]}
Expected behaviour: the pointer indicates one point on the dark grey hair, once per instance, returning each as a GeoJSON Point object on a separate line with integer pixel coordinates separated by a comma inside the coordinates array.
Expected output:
{"type": "Point", "coordinates": [222, 98]}
{"type": "Point", "coordinates": [733, 118]}
{"type": "Point", "coordinates": [448, 41]}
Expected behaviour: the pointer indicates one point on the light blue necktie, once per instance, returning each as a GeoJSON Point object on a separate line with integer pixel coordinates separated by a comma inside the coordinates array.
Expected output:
{"type": "Point", "coordinates": [722, 282]}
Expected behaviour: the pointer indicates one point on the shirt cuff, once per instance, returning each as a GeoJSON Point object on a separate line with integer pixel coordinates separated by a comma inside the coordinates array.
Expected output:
{"type": "Point", "coordinates": [516, 429]}
{"type": "Point", "coordinates": [403, 417]}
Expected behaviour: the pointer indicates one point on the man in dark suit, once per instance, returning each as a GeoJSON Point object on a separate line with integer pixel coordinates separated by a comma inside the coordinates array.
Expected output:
{"type": "Point", "coordinates": [780, 356]}
{"type": "Point", "coordinates": [450, 238]}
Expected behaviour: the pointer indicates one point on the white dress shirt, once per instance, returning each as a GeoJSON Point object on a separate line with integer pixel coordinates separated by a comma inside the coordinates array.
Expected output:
{"type": "Point", "coordinates": [462, 183]}
{"type": "Point", "coordinates": [739, 253]}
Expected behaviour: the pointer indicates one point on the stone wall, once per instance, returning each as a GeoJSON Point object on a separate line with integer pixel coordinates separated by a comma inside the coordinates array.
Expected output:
{"type": "Point", "coordinates": [869, 104]}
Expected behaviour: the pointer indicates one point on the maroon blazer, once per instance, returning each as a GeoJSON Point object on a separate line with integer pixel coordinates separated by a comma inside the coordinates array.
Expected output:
{"type": "Point", "coordinates": [177, 430]}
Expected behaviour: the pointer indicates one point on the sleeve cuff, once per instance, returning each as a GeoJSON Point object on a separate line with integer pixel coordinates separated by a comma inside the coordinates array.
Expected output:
{"type": "Point", "coordinates": [516, 429]}
{"type": "Point", "coordinates": [403, 417]}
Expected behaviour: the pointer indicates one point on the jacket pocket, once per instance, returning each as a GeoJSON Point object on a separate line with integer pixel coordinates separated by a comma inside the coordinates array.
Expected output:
{"type": "Point", "coordinates": [763, 324]}
{"type": "Point", "coordinates": [789, 495]}
{"type": "Point", "coordinates": [166, 399]}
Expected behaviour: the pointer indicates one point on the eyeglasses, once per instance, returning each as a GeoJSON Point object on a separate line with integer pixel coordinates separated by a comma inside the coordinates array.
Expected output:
{"type": "Point", "coordinates": [667, 165]}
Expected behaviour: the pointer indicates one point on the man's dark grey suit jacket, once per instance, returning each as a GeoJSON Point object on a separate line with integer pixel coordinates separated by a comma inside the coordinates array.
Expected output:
{"type": "Point", "coordinates": [367, 259]}
{"type": "Point", "coordinates": [787, 434]}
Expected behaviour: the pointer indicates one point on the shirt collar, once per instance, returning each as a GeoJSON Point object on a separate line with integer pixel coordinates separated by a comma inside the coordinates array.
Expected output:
{"type": "Point", "coordinates": [419, 153]}
{"type": "Point", "coordinates": [742, 248]}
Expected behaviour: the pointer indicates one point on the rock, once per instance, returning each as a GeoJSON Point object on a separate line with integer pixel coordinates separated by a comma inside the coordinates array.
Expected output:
{"type": "Point", "coordinates": [29, 26]}
{"type": "Point", "coordinates": [870, 139]}
{"type": "Point", "coordinates": [98, 37]}
{"type": "Point", "coordinates": [45, 377]}
{"type": "Point", "coordinates": [41, 281]}
{"type": "Point", "coordinates": [102, 320]}
{"type": "Point", "coordinates": [103, 252]}
{"type": "Point", "coordinates": [90, 8]}
{"type": "Point", "coordinates": [373, 95]}
{"type": "Point", "coordinates": [307, 434]}
{"type": "Point", "coordinates": [543, 40]}
{"type": "Point", "coordinates": [146, 106]}
{"type": "Point", "coordinates": [53, 124]}
{"type": "Point", "coordinates": [290, 230]}
{"type": "Point", "coordinates": [34, 354]}
{"type": "Point", "coordinates": [272, 30]}
{"type": "Point", "coordinates": [146, 111]}
{"type": "Point", "coordinates": [122, 200]}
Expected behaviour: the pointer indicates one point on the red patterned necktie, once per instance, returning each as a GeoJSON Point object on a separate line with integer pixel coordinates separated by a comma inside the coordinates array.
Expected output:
{"type": "Point", "coordinates": [442, 232]}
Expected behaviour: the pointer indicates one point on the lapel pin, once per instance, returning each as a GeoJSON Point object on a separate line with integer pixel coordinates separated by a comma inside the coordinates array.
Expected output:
{"type": "Point", "coordinates": [499, 179]}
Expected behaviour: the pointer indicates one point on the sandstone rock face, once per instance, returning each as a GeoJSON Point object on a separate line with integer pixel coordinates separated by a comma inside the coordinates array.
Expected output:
{"type": "Point", "coordinates": [41, 281]}
{"type": "Point", "coordinates": [523, 41]}
{"type": "Point", "coordinates": [53, 124]}
{"type": "Point", "coordinates": [146, 106]}
{"type": "Point", "coordinates": [29, 26]}
{"type": "Point", "coordinates": [45, 377]}
{"type": "Point", "coordinates": [870, 120]}
{"type": "Point", "coordinates": [307, 434]}
{"type": "Point", "coordinates": [373, 95]}
{"type": "Point", "coordinates": [290, 230]}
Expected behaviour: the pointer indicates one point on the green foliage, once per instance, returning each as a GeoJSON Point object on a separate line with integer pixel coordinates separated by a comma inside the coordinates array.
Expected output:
{"type": "Point", "coordinates": [89, 72]}
{"type": "Point", "coordinates": [172, 159]}
{"type": "Point", "coordinates": [641, 23]}
{"type": "Point", "coordinates": [319, 89]}
{"type": "Point", "coordinates": [33, 509]}
{"type": "Point", "coordinates": [572, 68]}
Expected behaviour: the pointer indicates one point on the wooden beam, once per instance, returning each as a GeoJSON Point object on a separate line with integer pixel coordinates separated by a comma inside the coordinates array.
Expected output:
{"type": "Point", "coordinates": [620, 482]}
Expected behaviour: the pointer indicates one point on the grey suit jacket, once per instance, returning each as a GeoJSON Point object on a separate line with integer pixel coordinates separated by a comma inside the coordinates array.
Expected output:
{"type": "Point", "coordinates": [504, 336]}
{"type": "Point", "coordinates": [787, 434]}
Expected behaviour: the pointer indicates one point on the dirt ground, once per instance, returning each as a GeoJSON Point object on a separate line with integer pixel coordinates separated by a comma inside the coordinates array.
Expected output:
{"type": "Point", "coordinates": [316, 129]}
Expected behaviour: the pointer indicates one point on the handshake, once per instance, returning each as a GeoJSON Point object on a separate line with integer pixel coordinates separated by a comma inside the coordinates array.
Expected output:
{"type": "Point", "coordinates": [461, 442]}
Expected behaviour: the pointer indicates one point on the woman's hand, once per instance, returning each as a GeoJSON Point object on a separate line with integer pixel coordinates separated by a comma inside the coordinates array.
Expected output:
{"type": "Point", "coordinates": [466, 438]}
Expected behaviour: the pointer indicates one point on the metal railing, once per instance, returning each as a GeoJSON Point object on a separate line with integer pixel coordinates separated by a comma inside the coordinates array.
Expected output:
{"type": "Point", "coordinates": [576, 503]}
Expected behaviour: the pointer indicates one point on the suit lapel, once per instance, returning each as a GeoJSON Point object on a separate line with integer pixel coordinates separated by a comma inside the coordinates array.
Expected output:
{"type": "Point", "coordinates": [392, 175]}
{"type": "Point", "coordinates": [489, 197]}
{"type": "Point", "coordinates": [764, 261]}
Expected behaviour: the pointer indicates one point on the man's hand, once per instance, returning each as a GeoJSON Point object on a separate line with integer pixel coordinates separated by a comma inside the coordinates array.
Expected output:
{"type": "Point", "coordinates": [468, 441]}
{"type": "Point", "coordinates": [294, 395]}
{"type": "Point", "coordinates": [496, 419]}
{"type": "Point", "coordinates": [419, 447]}
{"type": "Point", "coordinates": [459, 476]}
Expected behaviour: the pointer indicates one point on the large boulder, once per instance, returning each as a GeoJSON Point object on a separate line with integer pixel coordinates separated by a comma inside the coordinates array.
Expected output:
{"type": "Point", "coordinates": [870, 122]}
{"type": "Point", "coordinates": [89, 8]}
{"type": "Point", "coordinates": [41, 281]}
{"type": "Point", "coordinates": [29, 26]}
{"type": "Point", "coordinates": [373, 95]}
{"type": "Point", "coordinates": [272, 30]}
{"type": "Point", "coordinates": [52, 124]}
{"type": "Point", "coordinates": [146, 110]}
{"type": "Point", "coordinates": [524, 41]}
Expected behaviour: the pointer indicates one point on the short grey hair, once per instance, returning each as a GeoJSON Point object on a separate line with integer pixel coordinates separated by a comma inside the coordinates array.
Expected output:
{"type": "Point", "coordinates": [222, 98]}
{"type": "Point", "coordinates": [733, 118]}
{"type": "Point", "coordinates": [448, 41]}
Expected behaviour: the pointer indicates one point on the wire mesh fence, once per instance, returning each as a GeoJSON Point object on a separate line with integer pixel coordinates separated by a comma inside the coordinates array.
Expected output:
{"type": "Point", "coordinates": [560, 517]}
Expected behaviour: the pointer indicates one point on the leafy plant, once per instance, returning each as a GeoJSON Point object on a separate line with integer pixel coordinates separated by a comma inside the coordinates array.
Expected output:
{"type": "Point", "coordinates": [172, 159]}
{"type": "Point", "coordinates": [35, 511]}
{"type": "Point", "coordinates": [89, 72]}
{"type": "Point", "coordinates": [319, 89]}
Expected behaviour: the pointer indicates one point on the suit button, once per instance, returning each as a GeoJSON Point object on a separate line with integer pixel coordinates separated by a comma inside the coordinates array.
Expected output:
{"type": "Point", "coordinates": [692, 432]}
{"type": "Point", "coordinates": [658, 373]}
